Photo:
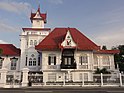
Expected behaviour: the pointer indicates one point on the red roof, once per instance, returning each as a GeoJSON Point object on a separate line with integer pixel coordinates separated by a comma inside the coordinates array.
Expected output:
{"type": "Point", "coordinates": [42, 15]}
{"type": "Point", "coordinates": [9, 50]}
{"type": "Point", "coordinates": [56, 37]}
{"type": "Point", "coordinates": [108, 51]}
{"type": "Point", "coordinates": [36, 29]}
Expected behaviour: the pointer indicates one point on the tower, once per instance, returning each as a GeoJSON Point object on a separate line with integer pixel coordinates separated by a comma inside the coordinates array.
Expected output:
{"type": "Point", "coordinates": [31, 37]}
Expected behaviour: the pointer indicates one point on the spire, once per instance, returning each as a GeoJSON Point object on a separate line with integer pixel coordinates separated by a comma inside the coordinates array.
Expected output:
{"type": "Point", "coordinates": [38, 8]}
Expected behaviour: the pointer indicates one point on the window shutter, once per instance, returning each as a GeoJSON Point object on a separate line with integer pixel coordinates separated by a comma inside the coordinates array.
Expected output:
{"type": "Point", "coordinates": [55, 60]}
{"type": "Point", "coordinates": [49, 60]}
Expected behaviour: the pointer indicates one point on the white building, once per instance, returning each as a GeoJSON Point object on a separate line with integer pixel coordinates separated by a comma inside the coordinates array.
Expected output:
{"type": "Point", "coordinates": [31, 37]}
{"type": "Point", "coordinates": [67, 54]}
{"type": "Point", "coordinates": [61, 54]}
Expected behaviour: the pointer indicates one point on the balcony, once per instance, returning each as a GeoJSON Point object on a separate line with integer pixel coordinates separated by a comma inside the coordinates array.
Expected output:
{"type": "Point", "coordinates": [72, 66]}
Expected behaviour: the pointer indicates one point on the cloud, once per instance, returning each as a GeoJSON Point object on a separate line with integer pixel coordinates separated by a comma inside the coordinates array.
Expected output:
{"type": "Point", "coordinates": [55, 1]}
{"type": "Point", "coordinates": [15, 7]}
{"type": "Point", "coordinates": [111, 38]}
{"type": "Point", "coordinates": [3, 42]}
{"type": "Point", "coordinates": [8, 27]}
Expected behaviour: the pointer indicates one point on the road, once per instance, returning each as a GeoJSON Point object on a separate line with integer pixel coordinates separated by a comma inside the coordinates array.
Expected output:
{"type": "Point", "coordinates": [63, 90]}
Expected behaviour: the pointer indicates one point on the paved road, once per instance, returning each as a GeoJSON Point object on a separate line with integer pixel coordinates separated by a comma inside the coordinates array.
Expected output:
{"type": "Point", "coordinates": [63, 90]}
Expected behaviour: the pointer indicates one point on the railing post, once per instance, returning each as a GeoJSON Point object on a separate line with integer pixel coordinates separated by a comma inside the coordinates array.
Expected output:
{"type": "Point", "coordinates": [101, 79]}
{"type": "Point", "coordinates": [82, 79]}
{"type": "Point", "coordinates": [120, 79]}
{"type": "Point", "coordinates": [63, 79]}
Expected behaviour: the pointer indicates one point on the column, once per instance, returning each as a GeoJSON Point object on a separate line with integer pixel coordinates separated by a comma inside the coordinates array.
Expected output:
{"type": "Point", "coordinates": [82, 79]}
{"type": "Point", "coordinates": [63, 79]}
{"type": "Point", "coordinates": [3, 73]}
{"type": "Point", "coordinates": [25, 77]}
{"type": "Point", "coordinates": [120, 79]}
{"type": "Point", "coordinates": [101, 79]}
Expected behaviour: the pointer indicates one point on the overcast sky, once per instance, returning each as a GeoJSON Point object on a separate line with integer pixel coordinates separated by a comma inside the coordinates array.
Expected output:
{"type": "Point", "coordinates": [100, 20]}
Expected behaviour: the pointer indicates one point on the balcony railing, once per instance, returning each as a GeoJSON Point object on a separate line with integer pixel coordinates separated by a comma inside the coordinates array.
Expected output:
{"type": "Point", "coordinates": [72, 66]}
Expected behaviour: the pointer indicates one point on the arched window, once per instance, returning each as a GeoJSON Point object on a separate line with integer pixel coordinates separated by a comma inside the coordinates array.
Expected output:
{"type": "Point", "coordinates": [30, 62]}
{"type": "Point", "coordinates": [13, 63]}
{"type": "Point", "coordinates": [95, 60]}
{"type": "Point", "coordinates": [31, 42]}
{"type": "Point", "coordinates": [83, 59]}
{"type": "Point", "coordinates": [34, 61]}
{"type": "Point", "coordinates": [106, 60]}
{"type": "Point", "coordinates": [35, 42]}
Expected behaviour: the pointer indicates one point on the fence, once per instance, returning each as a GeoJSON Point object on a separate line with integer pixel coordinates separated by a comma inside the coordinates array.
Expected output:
{"type": "Point", "coordinates": [22, 79]}
{"type": "Point", "coordinates": [98, 80]}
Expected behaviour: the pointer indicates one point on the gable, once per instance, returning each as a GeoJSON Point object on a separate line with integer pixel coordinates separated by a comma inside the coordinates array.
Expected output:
{"type": "Point", "coordinates": [68, 42]}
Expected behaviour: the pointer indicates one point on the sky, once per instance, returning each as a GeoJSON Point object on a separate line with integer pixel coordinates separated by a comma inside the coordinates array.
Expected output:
{"type": "Point", "coordinates": [102, 21]}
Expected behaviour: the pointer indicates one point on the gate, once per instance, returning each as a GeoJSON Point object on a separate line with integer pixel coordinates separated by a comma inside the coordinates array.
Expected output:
{"type": "Point", "coordinates": [35, 78]}
{"type": "Point", "coordinates": [13, 79]}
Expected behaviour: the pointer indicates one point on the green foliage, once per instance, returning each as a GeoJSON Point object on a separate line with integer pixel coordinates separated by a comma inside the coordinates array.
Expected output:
{"type": "Point", "coordinates": [103, 70]}
{"type": "Point", "coordinates": [119, 58]}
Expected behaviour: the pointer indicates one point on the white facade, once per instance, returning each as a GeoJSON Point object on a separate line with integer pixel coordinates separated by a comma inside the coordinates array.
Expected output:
{"type": "Point", "coordinates": [12, 63]}
{"type": "Point", "coordinates": [31, 37]}
{"type": "Point", "coordinates": [55, 73]}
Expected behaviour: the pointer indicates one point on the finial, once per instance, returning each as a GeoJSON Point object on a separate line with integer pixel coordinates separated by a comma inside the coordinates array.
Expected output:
{"type": "Point", "coordinates": [39, 7]}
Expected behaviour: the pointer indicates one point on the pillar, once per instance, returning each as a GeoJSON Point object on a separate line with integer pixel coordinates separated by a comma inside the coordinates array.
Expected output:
{"type": "Point", "coordinates": [25, 77]}
{"type": "Point", "coordinates": [3, 73]}
{"type": "Point", "coordinates": [101, 79]}
{"type": "Point", "coordinates": [120, 79]}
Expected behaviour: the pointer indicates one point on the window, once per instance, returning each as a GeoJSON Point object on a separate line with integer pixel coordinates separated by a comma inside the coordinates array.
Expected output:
{"type": "Point", "coordinates": [106, 60]}
{"type": "Point", "coordinates": [31, 42]}
{"type": "Point", "coordinates": [1, 62]}
{"type": "Point", "coordinates": [35, 42]}
{"type": "Point", "coordinates": [85, 76]}
{"type": "Point", "coordinates": [13, 63]}
{"type": "Point", "coordinates": [30, 62]}
{"type": "Point", "coordinates": [52, 77]}
{"type": "Point", "coordinates": [80, 76]}
{"type": "Point", "coordinates": [83, 59]}
{"type": "Point", "coordinates": [52, 59]}
{"type": "Point", "coordinates": [34, 62]}
{"type": "Point", "coordinates": [95, 60]}
{"type": "Point", "coordinates": [26, 60]}
{"type": "Point", "coordinates": [39, 60]}
{"type": "Point", "coordinates": [67, 61]}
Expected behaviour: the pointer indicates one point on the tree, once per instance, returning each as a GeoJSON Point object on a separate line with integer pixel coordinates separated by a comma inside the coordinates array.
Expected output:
{"type": "Point", "coordinates": [103, 70]}
{"type": "Point", "coordinates": [119, 58]}
{"type": "Point", "coordinates": [104, 47]}
{"type": "Point", "coordinates": [1, 51]}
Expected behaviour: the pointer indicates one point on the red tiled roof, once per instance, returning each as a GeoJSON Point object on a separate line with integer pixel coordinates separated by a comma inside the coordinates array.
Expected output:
{"type": "Point", "coordinates": [9, 50]}
{"type": "Point", "coordinates": [107, 51]}
{"type": "Point", "coordinates": [36, 29]}
{"type": "Point", "coordinates": [42, 15]}
{"type": "Point", "coordinates": [56, 37]}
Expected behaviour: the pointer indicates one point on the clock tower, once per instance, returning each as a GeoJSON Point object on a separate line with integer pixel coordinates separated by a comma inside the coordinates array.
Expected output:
{"type": "Point", "coordinates": [30, 37]}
